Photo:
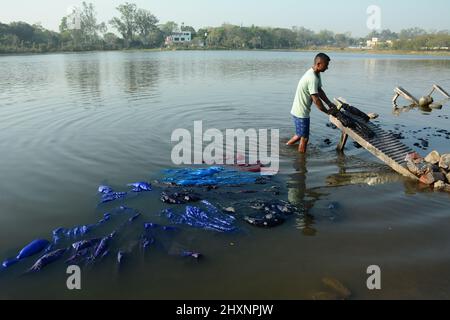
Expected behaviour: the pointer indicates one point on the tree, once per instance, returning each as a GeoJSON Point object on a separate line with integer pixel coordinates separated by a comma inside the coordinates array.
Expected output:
{"type": "Point", "coordinates": [168, 28]}
{"type": "Point", "coordinates": [411, 33]}
{"type": "Point", "coordinates": [146, 26]}
{"type": "Point", "coordinates": [325, 37]}
{"type": "Point", "coordinates": [112, 41]}
{"type": "Point", "coordinates": [89, 27]}
{"type": "Point", "coordinates": [22, 30]}
{"type": "Point", "coordinates": [189, 29]}
{"type": "Point", "coordinates": [126, 24]}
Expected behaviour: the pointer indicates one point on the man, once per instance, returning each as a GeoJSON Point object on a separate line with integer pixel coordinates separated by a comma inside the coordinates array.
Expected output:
{"type": "Point", "coordinates": [309, 91]}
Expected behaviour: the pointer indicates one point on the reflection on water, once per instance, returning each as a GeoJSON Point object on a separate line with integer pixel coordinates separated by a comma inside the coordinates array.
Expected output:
{"type": "Point", "coordinates": [371, 178]}
{"type": "Point", "coordinates": [398, 110]}
{"type": "Point", "coordinates": [301, 196]}
{"type": "Point", "coordinates": [55, 153]}
{"type": "Point", "coordinates": [141, 76]}
{"type": "Point", "coordinates": [83, 75]}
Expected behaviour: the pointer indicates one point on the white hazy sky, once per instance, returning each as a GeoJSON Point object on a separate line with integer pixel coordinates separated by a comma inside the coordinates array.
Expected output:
{"type": "Point", "coordinates": [338, 16]}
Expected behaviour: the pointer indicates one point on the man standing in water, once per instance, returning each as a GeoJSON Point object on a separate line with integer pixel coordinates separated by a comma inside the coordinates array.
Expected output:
{"type": "Point", "coordinates": [309, 91]}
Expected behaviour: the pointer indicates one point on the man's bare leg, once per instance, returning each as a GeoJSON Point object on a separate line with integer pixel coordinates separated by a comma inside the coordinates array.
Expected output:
{"type": "Point", "coordinates": [293, 141]}
{"type": "Point", "coordinates": [303, 145]}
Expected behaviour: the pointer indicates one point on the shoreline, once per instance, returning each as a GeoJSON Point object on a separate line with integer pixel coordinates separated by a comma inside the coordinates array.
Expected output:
{"type": "Point", "coordinates": [323, 49]}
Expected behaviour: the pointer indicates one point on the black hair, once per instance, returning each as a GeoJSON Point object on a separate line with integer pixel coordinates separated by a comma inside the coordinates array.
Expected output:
{"type": "Point", "coordinates": [322, 56]}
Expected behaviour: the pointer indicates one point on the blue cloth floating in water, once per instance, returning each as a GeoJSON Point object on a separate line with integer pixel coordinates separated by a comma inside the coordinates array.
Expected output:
{"type": "Point", "coordinates": [140, 186]}
{"type": "Point", "coordinates": [213, 176]}
{"type": "Point", "coordinates": [150, 225]}
{"type": "Point", "coordinates": [78, 231]}
{"type": "Point", "coordinates": [209, 219]}
{"type": "Point", "coordinates": [108, 194]}
{"type": "Point", "coordinates": [133, 218]}
{"type": "Point", "coordinates": [9, 263]}
{"type": "Point", "coordinates": [47, 259]}
{"type": "Point", "coordinates": [33, 248]}
{"type": "Point", "coordinates": [108, 197]}
{"type": "Point", "coordinates": [84, 244]}
{"type": "Point", "coordinates": [105, 189]}
{"type": "Point", "coordinates": [102, 248]}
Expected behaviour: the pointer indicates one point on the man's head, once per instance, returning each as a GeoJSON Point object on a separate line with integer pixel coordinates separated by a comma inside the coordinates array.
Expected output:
{"type": "Point", "coordinates": [321, 62]}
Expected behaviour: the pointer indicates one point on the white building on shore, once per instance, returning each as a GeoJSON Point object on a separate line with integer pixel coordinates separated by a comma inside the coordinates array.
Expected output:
{"type": "Point", "coordinates": [179, 38]}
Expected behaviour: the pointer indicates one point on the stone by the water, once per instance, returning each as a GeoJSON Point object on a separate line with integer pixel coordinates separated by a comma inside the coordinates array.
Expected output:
{"type": "Point", "coordinates": [439, 185]}
{"type": "Point", "coordinates": [431, 178]}
{"type": "Point", "coordinates": [444, 162]}
{"type": "Point", "coordinates": [414, 157]}
{"type": "Point", "coordinates": [419, 169]}
{"type": "Point", "coordinates": [434, 157]}
{"type": "Point", "coordinates": [436, 106]}
{"type": "Point", "coordinates": [338, 287]}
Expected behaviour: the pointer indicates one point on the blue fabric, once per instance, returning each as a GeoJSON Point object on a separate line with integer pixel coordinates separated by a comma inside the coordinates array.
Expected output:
{"type": "Point", "coordinates": [140, 186]}
{"type": "Point", "coordinates": [33, 248]}
{"type": "Point", "coordinates": [302, 127]}
{"type": "Point", "coordinates": [209, 219]}
{"type": "Point", "coordinates": [213, 176]}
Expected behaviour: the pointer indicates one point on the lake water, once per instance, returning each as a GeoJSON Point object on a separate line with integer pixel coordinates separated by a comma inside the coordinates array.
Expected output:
{"type": "Point", "coordinates": [70, 122]}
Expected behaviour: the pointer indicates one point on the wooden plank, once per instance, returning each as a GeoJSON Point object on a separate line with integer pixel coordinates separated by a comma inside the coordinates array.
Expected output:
{"type": "Point", "coordinates": [342, 142]}
{"type": "Point", "coordinates": [442, 91]}
{"type": "Point", "coordinates": [405, 94]}
{"type": "Point", "coordinates": [372, 149]}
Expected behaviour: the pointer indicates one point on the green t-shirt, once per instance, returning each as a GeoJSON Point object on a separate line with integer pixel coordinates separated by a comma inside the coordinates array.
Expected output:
{"type": "Point", "coordinates": [309, 84]}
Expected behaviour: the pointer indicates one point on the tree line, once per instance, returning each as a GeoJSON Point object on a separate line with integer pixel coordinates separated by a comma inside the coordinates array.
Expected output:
{"type": "Point", "coordinates": [137, 28]}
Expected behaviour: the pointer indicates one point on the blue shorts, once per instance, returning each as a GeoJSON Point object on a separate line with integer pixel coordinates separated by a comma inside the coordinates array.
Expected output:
{"type": "Point", "coordinates": [302, 127]}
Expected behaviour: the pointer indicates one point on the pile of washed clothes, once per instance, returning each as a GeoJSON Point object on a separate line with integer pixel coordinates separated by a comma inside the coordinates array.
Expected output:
{"type": "Point", "coordinates": [346, 115]}
{"type": "Point", "coordinates": [179, 188]}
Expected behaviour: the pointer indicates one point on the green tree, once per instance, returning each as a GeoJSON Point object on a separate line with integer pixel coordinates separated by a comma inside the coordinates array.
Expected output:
{"type": "Point", "coordinates": [146, 27]}
{"type": "Point", "coordinates": [90, 29]}
{"type": "Point", "coordinates": [168, 28]}
{"type": "Point", "coordinates": [126, 24]}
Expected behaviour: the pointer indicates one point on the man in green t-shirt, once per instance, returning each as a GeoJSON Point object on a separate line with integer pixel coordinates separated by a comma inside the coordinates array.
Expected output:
{"type": "Point", "coordinates": [309, 91]}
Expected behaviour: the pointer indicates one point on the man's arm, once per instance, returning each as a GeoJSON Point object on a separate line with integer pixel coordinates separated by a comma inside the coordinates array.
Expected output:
{"type": "Point", "coordinates": [318, 102]}
{"type": "Point", "coordinates": [324, 98]}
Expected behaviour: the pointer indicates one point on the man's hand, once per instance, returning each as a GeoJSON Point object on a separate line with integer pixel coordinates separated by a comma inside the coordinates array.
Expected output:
{"type": "Point", "coordinates": [333, 111]}
{"type": "Point", "coordinates": [333, 108]}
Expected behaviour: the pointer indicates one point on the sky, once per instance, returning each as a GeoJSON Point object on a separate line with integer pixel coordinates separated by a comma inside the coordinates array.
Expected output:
{"type": "Point", "coordinates": [338, 16]}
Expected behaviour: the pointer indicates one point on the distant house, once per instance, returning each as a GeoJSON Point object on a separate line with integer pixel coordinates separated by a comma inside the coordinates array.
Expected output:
{"type": "Point", "coordinates": [372, 43]}
{"type": "Point", "coordinates": [376, 43]}
{"type": "Point", "coordinates": [179, 38]}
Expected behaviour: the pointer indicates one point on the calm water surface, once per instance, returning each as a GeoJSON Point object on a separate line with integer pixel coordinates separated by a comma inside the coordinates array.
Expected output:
{"type": "Point", "coordinates": [70, 122]}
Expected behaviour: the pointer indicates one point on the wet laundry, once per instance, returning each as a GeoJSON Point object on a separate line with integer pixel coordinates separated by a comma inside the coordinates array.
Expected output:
{"type": "Point", "coordinates": [212, 176]}
{"type": "Point", "coordinates": [181, 197]}
{"type": "Point", "coordinates": [207, 218]}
